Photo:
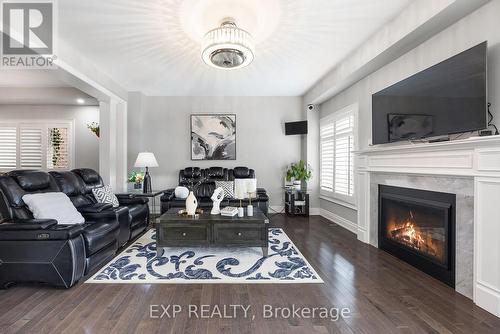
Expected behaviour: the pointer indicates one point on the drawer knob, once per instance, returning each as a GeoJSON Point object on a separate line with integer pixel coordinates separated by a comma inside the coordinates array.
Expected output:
{"type": "Point", "coordinates": [239, 234]}
{"type": "Point", "coordinates": [183, 234]}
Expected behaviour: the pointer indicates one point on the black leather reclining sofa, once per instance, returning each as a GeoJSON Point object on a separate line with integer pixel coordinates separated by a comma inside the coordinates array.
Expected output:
{"type": "Point", "coordinates": [208, 176]}
{"type": "Point", "coordinates": [34, 250]}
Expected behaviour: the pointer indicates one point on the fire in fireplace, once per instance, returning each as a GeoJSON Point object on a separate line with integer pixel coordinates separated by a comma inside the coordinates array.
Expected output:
{"type": "Point", "coordinates": [409, 232]}
{"type": "Point", "coordinates": [418, 227]}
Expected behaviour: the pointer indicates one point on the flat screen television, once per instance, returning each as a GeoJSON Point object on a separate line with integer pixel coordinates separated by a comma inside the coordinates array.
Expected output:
{"type": "Point", "coordinates": [447, 98]}
{"type": "Point", "coordinates": [296, 128]}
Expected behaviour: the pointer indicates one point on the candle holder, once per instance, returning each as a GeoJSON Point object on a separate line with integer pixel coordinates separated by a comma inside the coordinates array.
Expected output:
{"type": "Point", "coordinates": [250, 206]}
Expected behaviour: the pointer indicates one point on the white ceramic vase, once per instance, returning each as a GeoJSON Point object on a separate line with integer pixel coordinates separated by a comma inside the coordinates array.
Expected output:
{"type": "Point", "coordinates": [191, 204]}
{"type": "Point", "coordinates": [250, 210]}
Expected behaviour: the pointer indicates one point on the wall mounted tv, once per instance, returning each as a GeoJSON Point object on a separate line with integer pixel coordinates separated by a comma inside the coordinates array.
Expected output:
{"type": "Point", "coordinates": [447, 98]}
{"type": "Point", "coordinates": [296, 128]}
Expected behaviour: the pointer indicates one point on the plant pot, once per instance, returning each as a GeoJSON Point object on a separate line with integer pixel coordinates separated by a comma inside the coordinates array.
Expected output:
{"type": "Point", "coordinates": [297, 185]}
{"type": "Point", "coordinates": [137, 186]}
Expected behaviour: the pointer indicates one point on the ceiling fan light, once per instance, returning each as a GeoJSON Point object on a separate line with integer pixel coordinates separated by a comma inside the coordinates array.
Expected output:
{"type": "Point", "coordinates": [228, 47]}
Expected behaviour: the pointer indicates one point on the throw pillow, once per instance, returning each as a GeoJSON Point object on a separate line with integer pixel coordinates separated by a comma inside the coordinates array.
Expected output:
{"type": "Point", "coordinates": [56, 206]}
{"type": "Point", "coordinates": [228, 187]}
{"type": "Point", "coordinates": [181, 192]}
{"type": "Point", "coordinates": [105, 195]}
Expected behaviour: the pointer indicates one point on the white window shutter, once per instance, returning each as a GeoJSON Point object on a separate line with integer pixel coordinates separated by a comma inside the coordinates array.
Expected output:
{"type": "Point", "coordinates": [31, 147]}
{"type": "Point", "coordinates": [327, 156]}
{"type": "Point", "coordinates": [8, 147]}
{"type": "Point", "coordinates": [336, 155]}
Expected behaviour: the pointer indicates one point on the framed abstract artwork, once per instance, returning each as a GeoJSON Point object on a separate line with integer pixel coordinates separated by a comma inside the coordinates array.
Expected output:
{"type": "Point", "coordinates": [213, 137]}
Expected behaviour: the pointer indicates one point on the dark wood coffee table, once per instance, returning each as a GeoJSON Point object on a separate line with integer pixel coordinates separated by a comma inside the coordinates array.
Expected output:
{"type": "Point", "coordinates": [174, 230]}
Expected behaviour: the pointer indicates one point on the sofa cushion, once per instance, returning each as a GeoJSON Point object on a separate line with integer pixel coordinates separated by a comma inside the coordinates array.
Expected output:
{"type": "Point", "coordinates": [97, 235]}
{"type": "Point", "coordinates": [32, 180]}
{"type": "Point", "coordinates": [216, 173]}
{"type": "Point", "coordinates": [243, 173]}
{"type": "Point", "coordinates": [228, 187]}
{"type": "Point", "coordinates": [192, 173]}
{"type": "Point", "coordinates": [88, 175]}
{"type": "Point", "coordinates": [105, 195]}
{"type": "Point", "coordinates": [138, 214]}
{"type": "Point", "coordinates": [205, 190]}
{"type": "Point", "coordinates": [55, 206]}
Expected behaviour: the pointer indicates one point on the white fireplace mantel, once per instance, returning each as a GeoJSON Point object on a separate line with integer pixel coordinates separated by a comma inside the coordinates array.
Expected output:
{"type": "Point", "coordinates": [477, 158]}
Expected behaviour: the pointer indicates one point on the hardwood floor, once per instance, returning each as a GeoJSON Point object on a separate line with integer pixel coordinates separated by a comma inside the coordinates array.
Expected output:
{"type": "Point", "coordinates": [384, 295]}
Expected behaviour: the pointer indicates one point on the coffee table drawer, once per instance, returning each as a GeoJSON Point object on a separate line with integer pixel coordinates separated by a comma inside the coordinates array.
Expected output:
{"type": "Point", "coordinates": [176, 234]}
{"type": "Point", "coordinates": [239, 233]}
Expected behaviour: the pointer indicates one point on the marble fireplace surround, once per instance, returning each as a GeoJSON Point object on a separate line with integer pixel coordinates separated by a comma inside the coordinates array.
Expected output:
{"type": "Point", "coordinates": [469, 168]}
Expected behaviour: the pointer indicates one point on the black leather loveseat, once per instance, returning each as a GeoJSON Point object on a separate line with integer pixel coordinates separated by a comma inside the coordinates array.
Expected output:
{"type": "Point", "coordinates": [208, 176]}
{"type": "Point", "coordinates": [34, 250]}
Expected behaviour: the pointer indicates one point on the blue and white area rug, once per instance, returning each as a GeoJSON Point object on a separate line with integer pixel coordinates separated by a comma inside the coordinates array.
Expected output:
{"type": "Point", "coordinates": [140, 264]}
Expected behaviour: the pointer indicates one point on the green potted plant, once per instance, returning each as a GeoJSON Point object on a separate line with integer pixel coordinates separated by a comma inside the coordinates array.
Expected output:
{"type": "Point", "coordinates": [137, 179]}
{"type": "Point", "coordinates": [94, 127]}
{"type": "Point", "coordinates": [299, 173]}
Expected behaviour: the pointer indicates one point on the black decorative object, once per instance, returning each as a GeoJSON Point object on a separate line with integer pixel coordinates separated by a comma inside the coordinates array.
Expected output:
{"type": "Point", "coordinates": [146, 185]}
{"type": "Point", "coordinates": [213, 137]}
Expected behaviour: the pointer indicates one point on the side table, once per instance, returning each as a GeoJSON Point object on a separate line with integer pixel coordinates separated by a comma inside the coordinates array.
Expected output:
{"type": "Point", "coordinates": [152, 195]}
{"type": "Point", "coordinates": [296, 203]}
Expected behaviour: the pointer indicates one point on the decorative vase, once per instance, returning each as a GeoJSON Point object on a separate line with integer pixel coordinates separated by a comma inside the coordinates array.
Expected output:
{"type": "Point", "coordinates": [297, 184]}
{"type": "Point", "coordinates": [250, 210]}
{"type": "Point", "coordinates": [137, 186]}
{"type": "Point", "coordinates": [191, 204]}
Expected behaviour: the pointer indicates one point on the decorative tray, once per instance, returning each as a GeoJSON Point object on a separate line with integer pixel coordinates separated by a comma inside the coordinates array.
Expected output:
{"type": "Point", "coordinates": [184, 213]}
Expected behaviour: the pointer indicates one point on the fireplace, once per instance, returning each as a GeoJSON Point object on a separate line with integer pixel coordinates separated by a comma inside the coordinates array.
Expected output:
{"type": "Point", "coordinates": [418, 227]}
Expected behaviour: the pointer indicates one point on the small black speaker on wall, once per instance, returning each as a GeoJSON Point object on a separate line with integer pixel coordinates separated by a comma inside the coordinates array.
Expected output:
{"type": "Point", "coordinates": [296, 128]}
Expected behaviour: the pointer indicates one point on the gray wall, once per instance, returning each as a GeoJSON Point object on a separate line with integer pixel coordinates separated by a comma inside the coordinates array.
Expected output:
{"type": "Point", "coordinates": [162, 125]}
{"type": "Point", "coordinates": [86, 143]}
{"type": "Point", "coordinates": [475, 28]}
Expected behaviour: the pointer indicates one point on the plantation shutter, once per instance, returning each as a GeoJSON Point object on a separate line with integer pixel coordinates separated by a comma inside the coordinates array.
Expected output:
{"type": "Point", "coordinates": [8, 147]}
{"type": "Point", "coordinates": [31, 147]}
{"type": "Point", "coordinates": [336, 155]}
{"type": "Point", "coordinates": [344, 128]}
{"type": "Point", "coordinates": [327, 156]}
{"type": "Point", "coordinates": [36, 145]}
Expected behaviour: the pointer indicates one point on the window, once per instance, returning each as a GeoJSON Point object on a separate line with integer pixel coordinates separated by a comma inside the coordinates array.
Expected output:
{"type": "Point", "coordinates": [36, 145]}
{"type": "Point", "coordinates": [337, 143]}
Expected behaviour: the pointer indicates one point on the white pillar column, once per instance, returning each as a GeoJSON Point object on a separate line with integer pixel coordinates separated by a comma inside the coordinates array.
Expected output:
{"type": "Point", "coordinates": [107, 142]}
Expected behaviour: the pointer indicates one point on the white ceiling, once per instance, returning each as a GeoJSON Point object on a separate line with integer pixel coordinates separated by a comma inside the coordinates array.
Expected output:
{"type": "Point", "coordinates": [154, 46]}
{"type": "Point", "coordinates": [30, 78]}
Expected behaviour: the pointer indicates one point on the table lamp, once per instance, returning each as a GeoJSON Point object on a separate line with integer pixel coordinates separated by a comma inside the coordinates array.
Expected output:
{"type": "Point", "coordinates": [240, 191]}
{"type": "Point", "coordinates": [146, 159]}
{"type": "Point", "coordinates": [251, 191]}
{"type": "Point", "coordinates": [245, 188]}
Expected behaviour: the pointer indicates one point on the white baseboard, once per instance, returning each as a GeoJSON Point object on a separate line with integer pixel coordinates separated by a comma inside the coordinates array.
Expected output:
{"type": "Point", "coordinates": [315, 211]}
{"type": "Point", "coordinates": [345, 223]}
{"type": "Point", "coordinates": [277, 208]}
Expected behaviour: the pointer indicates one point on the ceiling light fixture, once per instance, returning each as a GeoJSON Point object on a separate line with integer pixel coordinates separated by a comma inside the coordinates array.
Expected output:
{"type": "Point", "coordinates": [228, 47]}
{"type": "Point", "coordinates": [80, 101]}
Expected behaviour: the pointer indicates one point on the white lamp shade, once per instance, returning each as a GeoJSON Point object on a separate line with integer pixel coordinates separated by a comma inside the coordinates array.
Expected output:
{"type": "Point", "coordinates": [146, 159]}
{"type": "Point", "coordinates": [251, 186]}
{"type": "Point", "coordinates": [242, 187]}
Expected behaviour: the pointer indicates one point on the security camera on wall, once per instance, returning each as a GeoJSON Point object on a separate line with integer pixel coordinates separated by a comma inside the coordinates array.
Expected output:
{"type": "Point", "coordinates": [311, 107]}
